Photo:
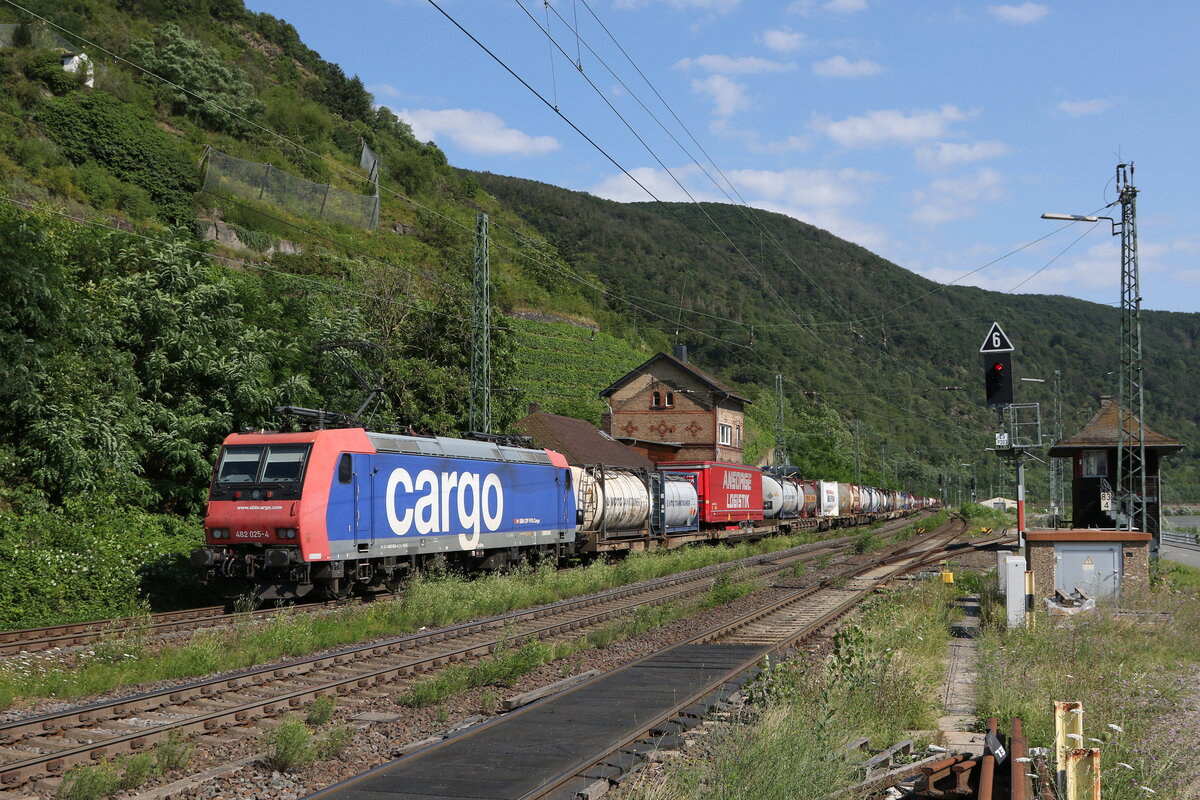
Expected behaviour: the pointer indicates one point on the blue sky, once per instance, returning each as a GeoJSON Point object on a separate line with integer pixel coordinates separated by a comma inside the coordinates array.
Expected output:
{"type": "Point", "coordinates": [933, 133]}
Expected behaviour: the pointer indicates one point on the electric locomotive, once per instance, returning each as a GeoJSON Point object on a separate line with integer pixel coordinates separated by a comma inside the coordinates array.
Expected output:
{"type": "Point", "coordinates": [327, 512]}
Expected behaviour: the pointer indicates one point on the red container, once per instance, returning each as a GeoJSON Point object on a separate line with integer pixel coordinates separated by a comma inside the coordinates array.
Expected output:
{"type": "Point", "coordinates": [727, 492]}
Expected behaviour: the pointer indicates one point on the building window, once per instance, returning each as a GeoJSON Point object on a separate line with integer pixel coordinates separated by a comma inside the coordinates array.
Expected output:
{"type": "Point", "coordinates": [725, 434]}
{"type": "Point", "coordinates": [1093, 464]}
{"type": "Point", "coordinates": [738, 441]}
{"type": "Point", "coordinates": [657, 400]}
{"type": "Point", "coordinates": [670, 399]}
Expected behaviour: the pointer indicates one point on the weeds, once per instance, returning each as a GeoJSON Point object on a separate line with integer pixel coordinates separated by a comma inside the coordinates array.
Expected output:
{"type": "Point", "coordinates": [90, 782]}
{"type": "Point", "coordinates": [136, 769]}
{"type": "Point", "coordinates": [173, 754]}
{"type": "Point", "coordinates": [320, 710]}
{"type": "Point", "coordinates": [725, 590]}
{"type": "Point", "coordinates": [432, 599]}
{"type": "Point", "coordinates": [333, 742]}
{"type": "Point", "coordinates": [789, 743]}
{"type": "Point", "coordinates": [290, 746]}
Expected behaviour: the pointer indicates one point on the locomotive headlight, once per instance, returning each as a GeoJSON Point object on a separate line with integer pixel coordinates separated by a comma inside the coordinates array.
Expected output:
{"type": "Point", "coordinates": [285, 533]}
{"type": "Point", "coordinates": [220, 533]}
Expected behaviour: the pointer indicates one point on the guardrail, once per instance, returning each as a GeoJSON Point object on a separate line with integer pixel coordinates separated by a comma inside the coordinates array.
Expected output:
{"type": "Point", "coordinates": [1181, 537]}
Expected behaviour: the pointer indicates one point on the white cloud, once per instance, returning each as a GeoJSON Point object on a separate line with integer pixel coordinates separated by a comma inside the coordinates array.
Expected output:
{"type": "Point", "coordinates": [752, 139]}
{"type": "Point", "coordinates": [941, 155]}
{"type": "Point", "coordinates": [729, 65]}
{"type": "Point", "coordinates": [384, 90]}
{"type": "Point", "coordinates": [622, 188]}
{"type": "Point", "coordinates": [842, 67]}
{"type": "Point", "coordinates": [784, 40]}
{"type": "Point", "coordinates": [948, 199]}
{"type": "Point", "coordinates": [882, 127]}
{"type": "Point", "coordinates": [845, 6]}
{"type": "Point", "coordinates": [1081, 108]}
{"type": "Point", "coordinates": [818, 197]}
{"type": "Point", "coordinates": [820, 188]}
{"type": "Point", "coordinates": [728, 96]}
{"type": "Point", "coordinates": [476, 132]}
{"type": "Point", "coordinates": [1023, 14]}
{"type": "Point", "coordinates": [716, 6]}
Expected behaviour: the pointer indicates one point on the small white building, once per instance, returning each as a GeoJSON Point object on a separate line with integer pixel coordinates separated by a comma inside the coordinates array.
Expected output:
{"type": "Point", "coordinates": [1000, 504]}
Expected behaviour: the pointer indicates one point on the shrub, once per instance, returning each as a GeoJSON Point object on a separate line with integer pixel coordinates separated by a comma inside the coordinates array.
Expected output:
{"type": "Point", "coordinates": [173, 754]}
{"type": "Point", "coordinates": [334, 742]}
{"type": "Point", "coordinates": [219, 92]}
{"type": "Point", "coordinates": [290, 746]}
{"type": "Point", "coordinates": [320, 710]}
{"type": "Point", "coordinates": [90, 782]}
{"type": "Point", "coordinates": [135, 769]}
{"type": "Point", "coordinates": [123, 139]}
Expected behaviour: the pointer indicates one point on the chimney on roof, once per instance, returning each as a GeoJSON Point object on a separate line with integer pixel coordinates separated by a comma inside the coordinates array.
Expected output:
{"type": "Point", "coordinates": [681, 352]}
{"type": "Point", "coordinates": [534, 408]}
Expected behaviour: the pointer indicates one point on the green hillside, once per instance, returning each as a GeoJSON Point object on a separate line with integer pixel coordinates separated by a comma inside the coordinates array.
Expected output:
{"type": "Point", "coordinates": [852, 330]}
{"type": "Point", "coordinates": [181, 238]}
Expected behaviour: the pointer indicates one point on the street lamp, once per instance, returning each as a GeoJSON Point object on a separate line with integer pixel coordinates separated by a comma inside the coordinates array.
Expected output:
{"type": "Point", "coordinates": [972, 468]}
{"type": "Point", "coordinates": [1131, 476]}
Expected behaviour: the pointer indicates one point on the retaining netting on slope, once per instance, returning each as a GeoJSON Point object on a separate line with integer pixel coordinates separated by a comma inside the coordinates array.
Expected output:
{"type": "Point", "coordinates": [229, 175]}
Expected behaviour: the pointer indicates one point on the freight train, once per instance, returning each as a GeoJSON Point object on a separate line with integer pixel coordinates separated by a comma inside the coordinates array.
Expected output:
{"type": "Point", "coordinates": [330, 512]}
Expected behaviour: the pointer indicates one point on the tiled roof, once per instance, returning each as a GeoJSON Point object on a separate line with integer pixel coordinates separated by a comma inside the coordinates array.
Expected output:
{"type": "Point", "coordinates": [1101, 431]}
{"type": "Point", "coordinates": [580, 441]}
{"type": "Point", "coordinates": [700, 374]}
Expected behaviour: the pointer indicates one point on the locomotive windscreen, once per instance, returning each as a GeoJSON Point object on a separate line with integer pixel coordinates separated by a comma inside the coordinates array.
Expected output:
{"type": "Point", "coordinates": [239, 464]}
{"type": "Point", "coordinates": [278, 464]}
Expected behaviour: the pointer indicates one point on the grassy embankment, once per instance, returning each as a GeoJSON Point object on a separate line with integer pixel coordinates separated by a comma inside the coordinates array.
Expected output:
{"type": "Point", "coordinates": [880, 682]}
{"type": "Point", "coordinates": [130, 658]}
{"type": "Point", "coordinates": [1139, 685]}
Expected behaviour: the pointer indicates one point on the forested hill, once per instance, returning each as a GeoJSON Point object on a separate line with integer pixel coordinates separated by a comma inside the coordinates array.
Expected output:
{"type": "Point", "coordinates": [862, 334]}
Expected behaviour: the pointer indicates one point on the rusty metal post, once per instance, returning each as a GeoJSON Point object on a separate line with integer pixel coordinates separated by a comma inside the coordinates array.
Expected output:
{"type": "Point", "coordinates": [1068, 735]}
{"type": "Point", "coordinates": [1018, 783]}
{"type": "Point", "coordinates": [1083, 774]}
{"type": "Point", "coordinates": [987, 765]}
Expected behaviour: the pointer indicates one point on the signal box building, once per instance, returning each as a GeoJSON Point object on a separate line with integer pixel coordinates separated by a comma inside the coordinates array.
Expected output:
{"type": "Point", "coordinates": [1095, 557]}
{"type": "Point", "coordinates": [1093, 453]}
{"type": "Point", "coordinates": [673, 411]}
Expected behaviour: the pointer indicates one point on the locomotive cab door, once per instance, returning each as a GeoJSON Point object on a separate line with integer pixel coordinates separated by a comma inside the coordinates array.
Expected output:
{"type": "Point", "coordinates": [364, 529]}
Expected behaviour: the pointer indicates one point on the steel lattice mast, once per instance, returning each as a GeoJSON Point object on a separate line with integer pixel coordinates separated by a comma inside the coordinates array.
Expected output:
{"type": "Point", "coordinates": [480, 416]}
{"type": "Point", "coordinates": [780, 430]}
{"type": "Point", "coordinates": [1131, 426]}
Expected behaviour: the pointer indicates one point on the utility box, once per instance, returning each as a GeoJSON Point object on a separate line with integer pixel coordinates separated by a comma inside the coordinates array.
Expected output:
{"type": "Point", "coordinates": [1012, 583]}
{"type": "Point", "coordinates": [1099, 563]}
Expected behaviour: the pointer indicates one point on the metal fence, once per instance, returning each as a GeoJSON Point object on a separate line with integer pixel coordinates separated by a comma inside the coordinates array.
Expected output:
{"type": "Point", "coordinates": [225, 174]}
{"type": "Point", "coordinates": [39, 36]}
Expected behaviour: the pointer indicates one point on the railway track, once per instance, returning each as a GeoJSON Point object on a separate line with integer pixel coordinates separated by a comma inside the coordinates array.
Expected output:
{"type": "Point", "coordinates": [578, 740]}
{"type": "Point", "coordinates": [163, 624]}
{"type": "Point", "coordinates": [46, 746]}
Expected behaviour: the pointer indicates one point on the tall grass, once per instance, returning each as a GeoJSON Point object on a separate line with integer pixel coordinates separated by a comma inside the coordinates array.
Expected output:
{"type": "Point", "coordinates": [880, 682]}
{"type": "Point", "coordinates": [426, 601]}
{"type": "Point", "coordinates": [1138, 684]}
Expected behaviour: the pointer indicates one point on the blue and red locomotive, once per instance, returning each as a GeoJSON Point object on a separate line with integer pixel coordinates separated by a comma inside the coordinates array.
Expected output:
{"type": "Point", "coordinates": [325, 513]}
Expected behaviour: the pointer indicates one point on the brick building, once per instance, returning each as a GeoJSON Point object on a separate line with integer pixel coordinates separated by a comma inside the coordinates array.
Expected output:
{"type": "Point", "coordinates": [668, 404]}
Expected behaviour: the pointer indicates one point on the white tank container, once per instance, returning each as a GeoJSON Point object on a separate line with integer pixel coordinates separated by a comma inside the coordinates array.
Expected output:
{"type": "Point", "coordinates": [681, 505]}
{"type": "Point", "coordinates": [772, 491]}
{"type": "Point", "coordinates": [828, 491]}
{"type": "Point", "coordinates": [791, 497]}
{"type": "Point", "coordinates": [622, 502]}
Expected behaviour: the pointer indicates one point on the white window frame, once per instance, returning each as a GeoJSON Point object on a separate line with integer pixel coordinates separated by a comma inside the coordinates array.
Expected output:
{"type": "Point", "coordinates": [724, 434]}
